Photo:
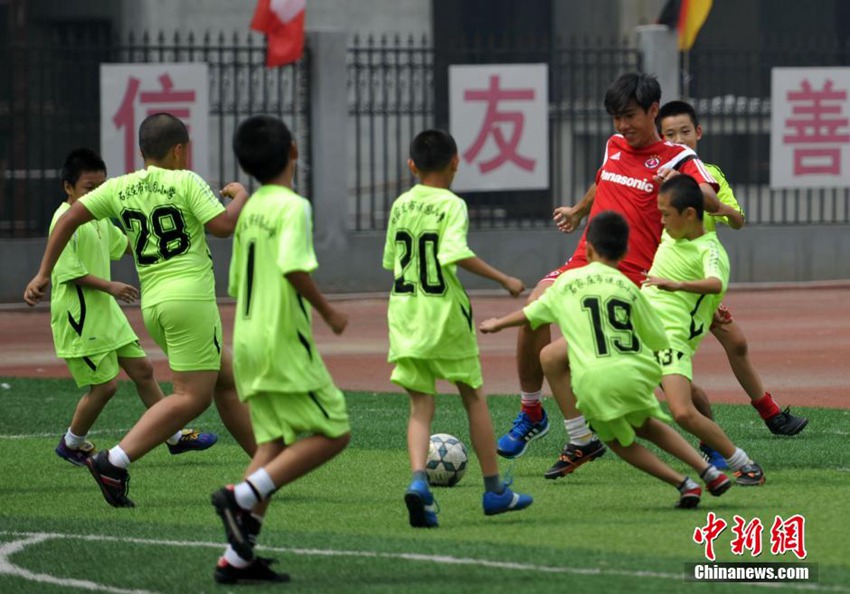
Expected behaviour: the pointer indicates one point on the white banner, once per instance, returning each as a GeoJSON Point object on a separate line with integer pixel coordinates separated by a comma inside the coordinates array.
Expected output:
{"type": "Point", "coordinates": [810, 128]}
{"type": "Point", "coordinates": [498, 115]}
{"type": "Point", "coordinates": [131, 92]}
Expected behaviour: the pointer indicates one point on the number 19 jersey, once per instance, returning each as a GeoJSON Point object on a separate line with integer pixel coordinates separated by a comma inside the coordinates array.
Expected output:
{"type": "Point", "coordinates": [273, 347]}
{"type": "Point", "coordinates": [429, 313]}
{"type": "Point", "coordinates": [163, 213]}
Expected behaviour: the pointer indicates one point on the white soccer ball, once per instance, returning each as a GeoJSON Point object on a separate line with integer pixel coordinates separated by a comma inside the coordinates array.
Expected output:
{"type": "Point", "coordinates": [447, 460]}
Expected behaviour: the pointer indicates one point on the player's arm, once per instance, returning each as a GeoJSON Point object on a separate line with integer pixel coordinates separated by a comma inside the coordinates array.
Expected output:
{"type": "Point", "coordinates": [730, 215]}
{"type": "Point", "coordinates": [704, 286]}
{"type": "Point", "coordinates": [515, 318]}
{"type": "Point", "coordinates": [568, 218]}
{"type": "Point", "coordinates": [476, 265]}
{"type": "Point", "coordinates": [303, 283]}
{"type": "Point", "coordinates": [224, 224]}
{"type": "Point", "coordinates": [69, 222]}
{"type": "Point", "coordinates": [122, 291]}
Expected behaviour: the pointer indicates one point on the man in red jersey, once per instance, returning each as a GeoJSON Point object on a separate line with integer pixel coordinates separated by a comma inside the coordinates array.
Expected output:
{"type": "Point", "coordinates": [636, 162]}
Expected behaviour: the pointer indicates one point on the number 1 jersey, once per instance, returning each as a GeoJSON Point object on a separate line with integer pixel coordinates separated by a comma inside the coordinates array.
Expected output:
{"type": "Point", "coordinates": [429, 312]}
{"type": "Point", "coordinates": [163, 213]}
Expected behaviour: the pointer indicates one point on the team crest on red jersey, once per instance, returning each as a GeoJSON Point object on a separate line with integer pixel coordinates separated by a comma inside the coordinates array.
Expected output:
{"type": "Point", "coordinates": [653, 162]}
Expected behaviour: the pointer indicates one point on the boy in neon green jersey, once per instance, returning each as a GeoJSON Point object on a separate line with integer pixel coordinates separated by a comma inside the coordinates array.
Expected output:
{"type": "Point", "coordinates": [613, 334]}
{"type": "Point", "coordinates": [90, 331]}
{"type": "Point", "coordinates": [688, 278]}
{"type": "Point", "coordinates": [432, 335]}
{"type": "Point", "coordinates": [165, 210]}
{"type": "Point", "coordinates": [279, 372]}
{"type": "Point", "coordinates": [677, 122]}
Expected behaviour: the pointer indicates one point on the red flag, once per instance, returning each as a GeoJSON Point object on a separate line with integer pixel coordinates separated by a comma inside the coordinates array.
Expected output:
{"type": "Point", "coordinates": [282, 21]}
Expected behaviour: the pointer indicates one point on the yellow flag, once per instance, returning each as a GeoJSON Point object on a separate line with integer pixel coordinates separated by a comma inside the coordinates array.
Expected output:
{"type": "Point", "coordinates": [692, 15]}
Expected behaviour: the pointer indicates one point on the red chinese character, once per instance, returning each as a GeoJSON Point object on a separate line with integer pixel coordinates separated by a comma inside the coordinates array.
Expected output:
{"type": "Point", "coordinates": [708, 533]}
{"type": "Point", "coordinates": [747, 536]}
{"type": "Point", "coordinates": [818, 122]}
{"type": "Point", "coordinates": [177, 103]}
{"type": "Point", "coordinates": [789, 535]}
{"type": "Point", "coordinates": [507, 149]}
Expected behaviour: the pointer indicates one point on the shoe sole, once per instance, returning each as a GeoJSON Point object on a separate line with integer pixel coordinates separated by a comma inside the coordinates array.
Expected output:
{"type": "Point", "coordinates": [110, 499]}
{"type": "Point", "coordinates": [416, 509]}
{"type": "Point", "coordinates": [688, 502]}
{"type": "Point", "coordinates": [556, 474]}
{"type": "Point", "coordinates": [507, 456]}
{"type": "Point", "coordinates": [240, 544]}
{"type": "Point", "coordinates": [750, 482]}
{"type": "Point", "coordinates": [721, 488]}
{"type": "Point", "coordinates": [795, 431]}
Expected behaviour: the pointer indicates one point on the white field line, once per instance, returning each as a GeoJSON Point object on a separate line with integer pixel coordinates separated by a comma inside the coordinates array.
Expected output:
{"type": "Point", "coordinates": [61, 432]}
{"type": "Point", "coordinates": [36, 537]}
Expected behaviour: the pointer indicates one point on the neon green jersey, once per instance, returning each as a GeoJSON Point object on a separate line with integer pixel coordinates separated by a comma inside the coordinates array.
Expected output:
{"type": "Point", "coordinates": [163, 213]}
{"type": "Point", "coordinates": [725, 195]}
{"type": "Point", "coordinates": [612, 332]}
{"type": "Point", "coordinates": [687, 316]}
{"type": "Point", "coordinates": [429, 312]}
{"type": "Point", "coordinates": [273, 347]}
{"type": "Point", "coordinates": [86, 321]}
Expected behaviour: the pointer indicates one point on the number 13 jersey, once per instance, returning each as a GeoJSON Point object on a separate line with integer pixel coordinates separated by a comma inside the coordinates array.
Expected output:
{"type": "Point", "coordinates": [163, 213]}
{"type": "Point", "coordinates": [429, 312]}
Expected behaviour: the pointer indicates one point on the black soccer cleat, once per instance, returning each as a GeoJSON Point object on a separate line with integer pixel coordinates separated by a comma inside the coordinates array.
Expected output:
{"type": "Point", "coordinates": [114, 482]}
{"type": "Point", "coordinates": [237, 522]}
{"type": "Point", "coordinates": [574, 456]}
{"type": "Point", "coordinates": [258, 572]}
{"type": "Point", "coordinates": [785, 423]}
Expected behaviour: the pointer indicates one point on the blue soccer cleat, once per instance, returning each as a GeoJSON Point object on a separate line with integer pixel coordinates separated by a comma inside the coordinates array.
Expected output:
{"type": "Point", "coordinates": [192, 441]}
{"type": "Point", "coordinates": [506, 501]}
{"type": "Point", "coordinates": [421, 505]}
{"type": "Point", "coordinates": [76, 456]}
{"type": "Point", "coordinates": [514, 443]}
{"type": "Point", "coordinates": [713, 457]}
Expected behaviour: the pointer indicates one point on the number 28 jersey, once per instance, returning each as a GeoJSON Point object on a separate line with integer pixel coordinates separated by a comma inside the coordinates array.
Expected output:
{"type": "Point", "coordinates": [429, 313]}
{"type": "Point", "coordinates": [163, 213]}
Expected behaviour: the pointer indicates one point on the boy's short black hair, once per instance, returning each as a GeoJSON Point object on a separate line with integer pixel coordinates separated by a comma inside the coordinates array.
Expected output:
{"type": "Point", "coordinates": [262, 144]}
{"type": "Point", "coordinates": [674, 108]}
{"type": "Point", "coordinates": [684, 193]}
{"type": "Point", "coordinates": [639, 87]}
{"type": "Point", "coordinates": [78, 161]}
{"type": "Point", "coordinates": [608, 233]}
{"type": "Point", "coordinates": [159, 133]}
{"type": "Point", "coordinates": [432, 150]}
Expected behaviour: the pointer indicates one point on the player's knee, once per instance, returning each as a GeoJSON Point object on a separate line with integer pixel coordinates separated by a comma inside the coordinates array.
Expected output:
{"type": "Point", "coordinates": [105, 391]}
{"type": "Point", "coordinates": [738, 347]}
{"type": "Point", "coordinates": [685, 416]}
{"type": "Point", "coordinates": [552, 359]}
{"type": "Point", "coordinates": [142, 371]}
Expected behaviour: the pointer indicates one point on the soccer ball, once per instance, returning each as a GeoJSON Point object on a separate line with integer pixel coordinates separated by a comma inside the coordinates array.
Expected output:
{"type": "Point", "coordinates": [447, 460]}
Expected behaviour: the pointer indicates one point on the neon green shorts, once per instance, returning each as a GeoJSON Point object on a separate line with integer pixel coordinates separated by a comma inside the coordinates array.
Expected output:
{"type": "Point", "coordinates": [623, 428]}
{"type": "Point", "coordinates": [286, 415]}
{"type": "Point", "coordinates": [421, 375]}
{"type": "Point", "coordinates": [676, 361]}
{"type": "Point", "coordinates": [98, 369]}
{"type": "Point", "coordinates": [188, 332]}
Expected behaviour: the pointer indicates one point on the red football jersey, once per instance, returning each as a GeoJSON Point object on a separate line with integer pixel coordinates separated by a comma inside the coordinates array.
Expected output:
{"type": "Point", "coordinates": [625, 184]}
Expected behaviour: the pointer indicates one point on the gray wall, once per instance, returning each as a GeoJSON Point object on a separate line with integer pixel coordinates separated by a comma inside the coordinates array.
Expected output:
{"type": "Point", "coordinates": [353, 263]}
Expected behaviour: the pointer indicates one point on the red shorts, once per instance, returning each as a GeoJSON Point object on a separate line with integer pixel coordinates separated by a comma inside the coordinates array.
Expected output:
{"type": "Point", "coordinates": [631, 271]}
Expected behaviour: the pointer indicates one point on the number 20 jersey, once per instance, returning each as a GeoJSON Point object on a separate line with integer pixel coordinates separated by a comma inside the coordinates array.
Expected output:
{"type": "Point", "coordinates": [429, 313]}
{"type": "Point", "coordinates": [163, 213]}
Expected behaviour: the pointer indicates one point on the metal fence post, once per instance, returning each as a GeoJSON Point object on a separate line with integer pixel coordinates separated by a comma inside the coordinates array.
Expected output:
{"type": "Point", "coordinates": [659, 49]}
{"type": "Point", "coordinates": [328, 129]}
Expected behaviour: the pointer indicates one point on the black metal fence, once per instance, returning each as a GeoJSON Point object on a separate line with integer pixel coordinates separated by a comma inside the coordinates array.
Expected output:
{"type": "Point", "coordinates": [49, 104]}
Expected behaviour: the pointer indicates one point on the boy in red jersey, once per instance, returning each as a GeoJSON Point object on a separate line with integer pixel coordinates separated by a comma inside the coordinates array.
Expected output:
{"type": "Point", "coordinates": [635, 163]}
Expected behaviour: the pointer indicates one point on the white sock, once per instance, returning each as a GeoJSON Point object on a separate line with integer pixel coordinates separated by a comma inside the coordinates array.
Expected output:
{"type": "Point", "coordinates": [174, 439]}
{"type": "Point", "coordinates": [234, 559]}
{"type": "Point", "coordinates": [255, 488]}
{"type": "Point", "coordinates": [578, 430]}
{"type": "Point", "coordinates": [688, 485]}
{"type": "Point", "coordinates": [709, 474]}
{"type": "Point", "coordinates": [118, 457]}
{"type": "Point", "coordinates": [737, 460]}
{"type": "Point", "coordinates": [531, 397]}
{"type": "Point", "coordinates": [73, 441]}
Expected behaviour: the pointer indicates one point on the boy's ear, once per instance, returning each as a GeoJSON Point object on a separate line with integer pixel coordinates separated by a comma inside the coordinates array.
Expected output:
{"type": "Point", "coordinates": [455, 162]}
{"type": "Point", "coordinates": [698, 131]}
{"type": "Point", "coordinates": [412, 166]}
{"type": "Point", "coordinates": [293, 152]}
{"type": "Point", "coordinates": [69, 189]}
